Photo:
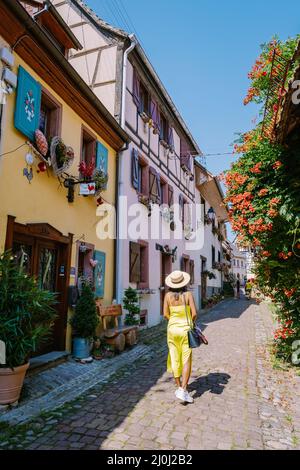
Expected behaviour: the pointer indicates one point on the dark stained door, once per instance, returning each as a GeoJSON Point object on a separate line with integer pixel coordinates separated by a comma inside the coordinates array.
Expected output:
{"type": "Point", "coordinates": [203, 280]}
{"type": "Point", "coordinates": [44, 260]}
{"type": "Point", "coordinates": [166, 269]}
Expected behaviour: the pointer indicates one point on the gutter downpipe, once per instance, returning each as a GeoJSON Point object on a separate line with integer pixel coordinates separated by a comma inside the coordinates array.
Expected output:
{"type": "Point", "coordinates": [120, 183]}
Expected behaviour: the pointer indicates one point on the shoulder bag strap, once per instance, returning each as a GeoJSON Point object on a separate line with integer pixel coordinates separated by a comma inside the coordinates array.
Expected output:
{"type": "Point", "coordinates": [185, 309]}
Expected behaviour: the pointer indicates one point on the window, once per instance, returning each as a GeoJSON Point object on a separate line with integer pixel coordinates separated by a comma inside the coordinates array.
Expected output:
{"type": "Point", "coordinates": [50, 116]}
{"type": "Point", "coordinates": [88, 147]}
{"type": "Point", "coordinates": [154, 186]}
{"type": "Point", "coordinates": [144, 265]}
{"type": "Point", "coordinates": [238, 263]}
{"type": "Point", "coordinates": [242, 264]}
{"type": "Point", "coordinates": [184, 210]}
{"type": "Point", "coordinates": [139, 264]}
{"type": "Point", "coordinates": [140, 174]}
{"type": "Point", "coordinates": [219, 257]}
{"type": "Point", "coordinates": [171, 196]}
{"type": "Point", "coordinates": [234, 262]}
{"type": "Point", "coordinates": [143, 317]}
{"type": "Point", "coordinates": [192, 271]}
{"type": "Point", "coordinates": [164, 129]}
{"type": "Point", "coordinates": [164, 191]}
{"type": "Point", "coordinates": [213, 255]}
{"type": "Point", "coordinates": [144, 100]}
{"type": "Point", "coordinates": [185, 263]}
{"type": "Point", "coordinates": [85, 252]}
{"type": "Point", "coordinates": [203, 211]}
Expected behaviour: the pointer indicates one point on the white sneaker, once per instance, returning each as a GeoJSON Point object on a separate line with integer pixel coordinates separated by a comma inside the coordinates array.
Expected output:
{"type": "Point", "coordinates": [188, 398]}
{"type": "Point", "coordinates": [180, 394]}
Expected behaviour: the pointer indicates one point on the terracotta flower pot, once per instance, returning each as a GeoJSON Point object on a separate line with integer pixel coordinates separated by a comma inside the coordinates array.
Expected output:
{"type": "Point", "coordinates": [11, 383]}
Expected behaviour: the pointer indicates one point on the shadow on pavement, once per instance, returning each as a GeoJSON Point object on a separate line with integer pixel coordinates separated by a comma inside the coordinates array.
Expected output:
{"type": "Point", "coordinates": [214, 383]}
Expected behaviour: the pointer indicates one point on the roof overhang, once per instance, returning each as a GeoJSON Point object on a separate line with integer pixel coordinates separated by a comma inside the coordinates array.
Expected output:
{"type": "Point", "coordinates": [212, 192]}
{"type": "Point", "coordinates": [51, 19]}
{"type": "Point", "coordinates": [139, 53]}
{"type": "Point", "coordinates": [30, 42]}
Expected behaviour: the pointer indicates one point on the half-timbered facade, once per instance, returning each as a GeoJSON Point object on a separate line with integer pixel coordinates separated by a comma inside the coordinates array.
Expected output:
{"type": "Point", "coordinates": [158, 166]}
{"type": "Point", "coordinates": [211, 261]}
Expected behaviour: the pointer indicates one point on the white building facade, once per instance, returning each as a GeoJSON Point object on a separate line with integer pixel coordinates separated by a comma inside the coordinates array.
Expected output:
{"type": "Point", "coordinates": [158, 197]}
{"type": "Point", "coordinates": [239, 263]}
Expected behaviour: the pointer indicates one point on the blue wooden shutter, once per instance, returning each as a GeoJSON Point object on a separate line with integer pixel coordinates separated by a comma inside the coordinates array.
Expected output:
{"type": "Point", "coordinates": [102, 158]}
{"type": "Point", "coordinates": [28, 104]}
{"type": "Point", "coordinates": [135, 169]}
{"type": "Point", "coordinates": [99, 273]}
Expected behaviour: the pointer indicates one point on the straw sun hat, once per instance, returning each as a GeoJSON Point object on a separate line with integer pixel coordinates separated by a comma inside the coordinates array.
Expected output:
{"type": "Point", "coordinates": [178, 279]}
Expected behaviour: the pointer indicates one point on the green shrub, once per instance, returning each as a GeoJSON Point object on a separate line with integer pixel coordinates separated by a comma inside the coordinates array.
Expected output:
{"type": "Point", "coordinates": [131, 304]}
{"type": "Point", "coordinates": [85, 319]}
{"type": "Point", "coordinates": [26, 312]}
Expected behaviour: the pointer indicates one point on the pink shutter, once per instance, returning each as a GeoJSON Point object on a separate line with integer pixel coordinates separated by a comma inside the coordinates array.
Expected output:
{"type": "Point", "coordinates": [136, 89]}
{"type": "Point", "coordinates": [144, 265]}
{"type": "Point", "coordinates": [170, 195]}
{"type": "Point", "coordinates": [185, 156]}
{"type": "Point", "coordinates": [171, 138]}
{"type": "Point", "coordinates": [155, 116]}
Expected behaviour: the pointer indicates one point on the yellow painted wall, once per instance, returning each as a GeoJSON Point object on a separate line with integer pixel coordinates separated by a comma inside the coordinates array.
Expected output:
{"type": "Point", "coordinates": [44, 200]}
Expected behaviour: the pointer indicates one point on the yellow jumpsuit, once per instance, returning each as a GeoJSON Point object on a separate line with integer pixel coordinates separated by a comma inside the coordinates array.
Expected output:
{"type": "Point", "coordinates": [179, 351]}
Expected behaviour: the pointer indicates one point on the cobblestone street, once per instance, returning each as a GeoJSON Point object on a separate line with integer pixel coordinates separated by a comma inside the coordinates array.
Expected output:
{"type": "Point", "coordinates": [241, 401]}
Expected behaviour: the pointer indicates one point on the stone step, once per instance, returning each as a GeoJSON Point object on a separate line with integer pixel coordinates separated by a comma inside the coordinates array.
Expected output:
{"type": "Point", "coordinates": [46, 361]}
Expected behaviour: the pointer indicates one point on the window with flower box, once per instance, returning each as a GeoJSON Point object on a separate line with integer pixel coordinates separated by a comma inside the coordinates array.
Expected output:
{"type": "Point", "coordinates": [50, 115]}
{"type": "Point", "coordinates": [164, 191]}
{"type": "Point", "coordinates": [164, 130]}
{"type": "Point", "coordinates": [144, 107]}
{"type": "Point", "coordinates": [88, 147]}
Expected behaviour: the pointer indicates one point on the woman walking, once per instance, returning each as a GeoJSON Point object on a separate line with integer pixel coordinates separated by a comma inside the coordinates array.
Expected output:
{"type": "Point", "coordinates": [180, 311]}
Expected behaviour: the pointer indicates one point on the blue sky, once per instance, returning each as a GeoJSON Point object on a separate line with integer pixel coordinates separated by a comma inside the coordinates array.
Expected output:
{"type": "Point", "coordinates": [202, 51]}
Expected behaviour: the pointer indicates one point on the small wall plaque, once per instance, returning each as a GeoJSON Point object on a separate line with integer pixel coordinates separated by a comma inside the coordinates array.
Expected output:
{"type": "Point", "coordinates": [87, 189]}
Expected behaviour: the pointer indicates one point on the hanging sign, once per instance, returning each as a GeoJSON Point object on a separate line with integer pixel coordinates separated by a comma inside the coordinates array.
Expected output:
{"type": "Point", "coordinates": [87, 189]}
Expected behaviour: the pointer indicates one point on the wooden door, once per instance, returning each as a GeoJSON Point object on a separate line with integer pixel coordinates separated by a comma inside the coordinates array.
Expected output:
{"type": "Point", "coordinates": [203, 280]}
{"type": "Point", "coordinates": [166, 269]}
{"type": "Point", "coordinates": [45, 261]}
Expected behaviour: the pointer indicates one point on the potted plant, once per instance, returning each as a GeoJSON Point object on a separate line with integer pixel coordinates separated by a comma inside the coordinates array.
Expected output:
{"type": "Point", "coordinates": [62, 156]}
{"type": "Point", "coordinates": [84, 322]}
{"type": "Point", "coordinates": [131, 304]}
{"type": "Point", "coordinates": [209, 274]}
{"type": "Point", "coordinates": [27, 314]}
{"type": "Point", "coordinates": [100, 178]}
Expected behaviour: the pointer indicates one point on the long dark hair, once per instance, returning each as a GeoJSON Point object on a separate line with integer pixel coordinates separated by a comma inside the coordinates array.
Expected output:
{"type": "Point", "coordinates": [177, 292]}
